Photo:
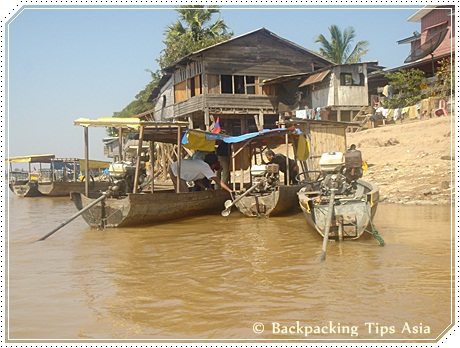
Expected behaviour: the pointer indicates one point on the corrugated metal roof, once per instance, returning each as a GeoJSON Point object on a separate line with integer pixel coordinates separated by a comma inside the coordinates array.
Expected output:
{"type": "Point", "coordinates": [315, 78]}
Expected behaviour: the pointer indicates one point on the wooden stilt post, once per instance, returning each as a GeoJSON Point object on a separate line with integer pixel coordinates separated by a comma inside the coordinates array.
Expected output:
{"type": "Point", "coordinates": [179, 153]}
{"type": "Point", "coordinates": [86, 162]}
{"type": "Point", "coordinates": [138, 159]}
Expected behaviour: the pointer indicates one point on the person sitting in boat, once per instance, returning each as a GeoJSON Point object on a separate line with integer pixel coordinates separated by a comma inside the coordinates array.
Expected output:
{"type": "Point", "coordinates": [205, 181]}
{"type": "Point", "coordinates": [195, 170]}
{"type": "Point", "coordinates": [281, 161]}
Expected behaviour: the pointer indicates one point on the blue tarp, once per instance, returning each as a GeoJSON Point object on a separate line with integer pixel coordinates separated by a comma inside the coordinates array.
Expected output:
{"type": "Point", "coordinates": [239, 138]}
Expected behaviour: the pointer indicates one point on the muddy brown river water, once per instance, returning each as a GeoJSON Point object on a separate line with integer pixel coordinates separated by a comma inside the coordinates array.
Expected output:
{"type": "Point", "coordinates": [219, 279]}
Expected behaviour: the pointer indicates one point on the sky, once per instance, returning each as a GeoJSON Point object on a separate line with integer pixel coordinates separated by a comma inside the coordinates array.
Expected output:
{"type": "Point", "coordinates": [64, 62]}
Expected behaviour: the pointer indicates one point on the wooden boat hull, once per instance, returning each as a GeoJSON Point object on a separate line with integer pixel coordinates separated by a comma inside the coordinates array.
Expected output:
{"type": "Point", "coordinates": [149, 208]}
{"type": "Point", "coordinates": [351, 216]}
{"type": "Point", "coordinates": [62, 189]}
{"type": "Point", "coordinates": [277, 202]}
{"type": "Point", "coordinates": [25, 189]}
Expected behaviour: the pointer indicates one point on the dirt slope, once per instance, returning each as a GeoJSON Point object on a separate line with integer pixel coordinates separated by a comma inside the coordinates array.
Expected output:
{"type": "Point", "coordinates": [413, 163]}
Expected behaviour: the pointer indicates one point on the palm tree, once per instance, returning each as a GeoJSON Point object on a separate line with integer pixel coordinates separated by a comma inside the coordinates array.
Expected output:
{"type": "Point", "coordinates": [338, 50]}
{"type": "Point", "coordinates": [197, 21]}
{"type": "Point", "coordinates": [193, 31]}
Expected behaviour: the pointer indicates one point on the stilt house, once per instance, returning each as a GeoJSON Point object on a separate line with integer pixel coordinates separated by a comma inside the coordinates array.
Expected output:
{"type": "Point", "coordinates": [336, 93]}
{"type": "Point", "coordinates": [224, 82]}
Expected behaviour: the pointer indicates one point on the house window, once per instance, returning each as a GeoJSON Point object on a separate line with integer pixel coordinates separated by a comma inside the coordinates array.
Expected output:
{"type": "Point", "coordinates": [348, 79]}
{"type": "Point", "coordinates": [226, 83]}
{"type": "Point", "coordinates": [250, 85]}
{"type": "Point", "coordinates": [238, 84]}
{"type": "Point", "coordinates": [188, 88]}
{"type": "Point", "coordinates": [195, 86]}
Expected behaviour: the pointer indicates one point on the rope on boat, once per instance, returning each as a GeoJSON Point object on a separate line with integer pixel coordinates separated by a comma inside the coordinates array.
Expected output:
{"type": "Point", "coordinates": [374, 232]}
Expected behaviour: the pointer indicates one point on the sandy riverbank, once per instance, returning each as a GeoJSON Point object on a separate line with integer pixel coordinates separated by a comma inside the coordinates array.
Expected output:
{"type": "Point", "coordinates": [413, 162]}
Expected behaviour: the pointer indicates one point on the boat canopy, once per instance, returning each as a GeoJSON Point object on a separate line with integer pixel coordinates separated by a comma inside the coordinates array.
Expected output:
{"type": "Point", "coordinates": [206, 141]}
{"type": "Point", "coordinates": [264, 137]}
{"type": "Point", "coordinates": [94, 164]}
{"type": "Point", "coordinates": [123, 122]}
{"type": "Point", "coordinates": [167, 132]}
{"type": "Point", "coordinates": [160, 131]}
{"type": "Point", "coordinates": [31, 159]}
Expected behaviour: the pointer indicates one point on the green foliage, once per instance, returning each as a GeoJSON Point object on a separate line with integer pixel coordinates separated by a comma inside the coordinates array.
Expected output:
{"type": "Point", "coordinates": [406, 86]}
{"type": "Point", "coordinates": [193, 31]}
{"type": "Point", "coordinates": [339, 49]}
{"type": "Point", "coordinates": [140, 104]}
{"type": "Point", "coordinates": [446, 76]}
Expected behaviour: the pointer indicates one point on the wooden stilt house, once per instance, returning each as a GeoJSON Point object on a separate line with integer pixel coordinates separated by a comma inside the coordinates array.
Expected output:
{"type": "Point", "coordinates": [224, 82]}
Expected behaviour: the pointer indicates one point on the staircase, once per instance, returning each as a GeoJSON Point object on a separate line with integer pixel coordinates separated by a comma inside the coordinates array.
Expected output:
{"type": "Point", "coordinates": [361, 119]}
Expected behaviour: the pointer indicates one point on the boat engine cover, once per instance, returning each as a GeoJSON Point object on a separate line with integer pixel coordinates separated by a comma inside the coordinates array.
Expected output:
{"type": "Point", "coordinates": [259, 170]}
{"type": "Point", "coordinates": [331, 162]}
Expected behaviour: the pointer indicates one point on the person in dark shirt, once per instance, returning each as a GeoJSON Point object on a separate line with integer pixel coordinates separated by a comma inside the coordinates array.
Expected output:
{"type": "Point", "coordinates": [281, 161]}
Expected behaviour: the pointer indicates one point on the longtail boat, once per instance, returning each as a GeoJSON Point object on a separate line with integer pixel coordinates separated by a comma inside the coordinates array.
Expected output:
{"type": "Point", "coordinates": [127, 202]}
{"type": "Point", "coordinates": [25, 183]}
{"type": "Point", "coordinates": [339, 206]}
{"type": "Point", "coordinates": [260, 193]}
{"type": "Point", "coordinates": [149, 208]}
{"type": "Point", "coordinates": [352, 211]}
{"type": "Point", "coordinates": [62, 178]}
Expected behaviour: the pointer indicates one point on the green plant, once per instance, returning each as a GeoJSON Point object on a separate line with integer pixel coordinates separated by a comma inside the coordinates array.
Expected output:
{"type": "Point", "coordinates": [339, 49]}
{"type": "Point", "coordinates": [446, 76]}
{"type": "Point", "coordinates": [406, 86]}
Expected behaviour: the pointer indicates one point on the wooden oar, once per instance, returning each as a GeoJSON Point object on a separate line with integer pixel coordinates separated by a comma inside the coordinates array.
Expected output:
{"type": "Point", "coordinates": [328, 224]}
{"type": "Point", "coordinates": [229, 204]}
{"type": "Point", "coordinates": [73, 217]}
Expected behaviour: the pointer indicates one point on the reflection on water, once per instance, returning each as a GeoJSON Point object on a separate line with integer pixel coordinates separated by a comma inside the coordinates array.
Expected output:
{"type": "Point", "coordinates": [215, 278]}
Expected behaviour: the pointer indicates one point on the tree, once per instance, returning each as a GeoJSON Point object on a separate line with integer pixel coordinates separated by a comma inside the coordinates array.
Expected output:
{"type": "Point", "coordinates": [193, 31]}
{"type": "Point", "coordinates": [407, 87]}
{"type": "Point", "coordinates": [446, 76]}
{"type": "Point", "coordinates": [339, 49]}
{"type": "Point", "coordinates": [140, 104]}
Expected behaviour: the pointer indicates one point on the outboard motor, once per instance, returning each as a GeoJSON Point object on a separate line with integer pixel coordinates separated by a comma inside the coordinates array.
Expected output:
{"type": "Point", "coordinates": [121, 176]}
{"type": "Point", "coordinates": [331, 164]}
{"type": "Point", "coordinates": [266, 175]}
{"type": "Point", "coordinates": [353, 165]}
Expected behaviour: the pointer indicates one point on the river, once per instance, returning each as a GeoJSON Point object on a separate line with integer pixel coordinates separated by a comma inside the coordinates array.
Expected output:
{"type": "Point", "coordinates": [216, 279]}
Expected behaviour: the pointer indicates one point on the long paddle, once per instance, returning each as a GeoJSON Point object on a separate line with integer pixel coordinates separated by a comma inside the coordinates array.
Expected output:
{"type": "Point", "coordinates": [73, 217]}
{"type": "Point", "coordinates": [229, 204]}
{"type": "Point", "coordinates": [328, 224]}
